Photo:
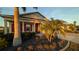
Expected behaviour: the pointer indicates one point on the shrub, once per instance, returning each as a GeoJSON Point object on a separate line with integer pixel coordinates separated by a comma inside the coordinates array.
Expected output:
{"type": "Point", "coordinates": [1, 34]}
{"type": "Point", "coordinates": [30, 47]}
{"type": "Point", "coordinates": [9, 38]}
{"type": "Point", "coordinates": [27, 35]}
{"type": "Point", "coordinates": [3, 43]}
{"type": "Point", "coordinates": [46, 46]}
{"type": "Point", "coordinates": [19, 48]}
{"type": "Point", "coordinates": [38, 47]}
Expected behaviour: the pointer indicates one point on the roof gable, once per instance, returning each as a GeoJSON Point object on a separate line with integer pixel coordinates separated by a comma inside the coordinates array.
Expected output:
{"type": "Point", "coordinates": [35, 15]}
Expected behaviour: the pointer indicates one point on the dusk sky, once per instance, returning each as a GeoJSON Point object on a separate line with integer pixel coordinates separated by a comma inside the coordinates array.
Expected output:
{"type": "Point", "coordinates": [68, 14]}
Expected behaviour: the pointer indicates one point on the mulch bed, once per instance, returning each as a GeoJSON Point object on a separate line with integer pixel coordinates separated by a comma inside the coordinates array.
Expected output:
{"type": "Point", "coordinates": [40, 45]}
{"type": "Point", "coordinates": [45, 46]}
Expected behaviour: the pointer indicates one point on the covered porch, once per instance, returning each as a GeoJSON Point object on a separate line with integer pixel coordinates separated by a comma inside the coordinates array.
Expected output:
{"type": "Point", "coordinates": [27, 24]}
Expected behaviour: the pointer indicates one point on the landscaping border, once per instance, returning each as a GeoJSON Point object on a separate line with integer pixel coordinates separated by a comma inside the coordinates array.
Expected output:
{"type": "Point", "coordinates": [63, 49]}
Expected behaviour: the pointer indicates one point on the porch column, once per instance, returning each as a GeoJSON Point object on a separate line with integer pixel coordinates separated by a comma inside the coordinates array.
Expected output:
{"type": "Point", "coordinates": [22, 26]}
{"type": "Point", "coordinates": [39, 28]}
{"type": "Point", "coordinates": [33, 27]}
{"type": "Point", "coordinates": [5, 26]}
{"type": "Point", "coordinates": [10, 26]}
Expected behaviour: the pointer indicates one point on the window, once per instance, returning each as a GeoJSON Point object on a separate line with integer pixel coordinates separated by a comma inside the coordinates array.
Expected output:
{"type": "Point", "coordinates": [28, 27]}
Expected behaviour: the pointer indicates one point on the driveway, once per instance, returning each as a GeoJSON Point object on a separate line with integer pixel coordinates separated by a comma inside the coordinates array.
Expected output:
{"type": "Point", "coordinates": [73, 37]}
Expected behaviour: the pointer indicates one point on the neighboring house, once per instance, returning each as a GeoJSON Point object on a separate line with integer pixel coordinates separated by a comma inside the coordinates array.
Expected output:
{"type": "Point", "coordinates": [77, 28]}
{"type": "Point", "coordinates": [29, 22]}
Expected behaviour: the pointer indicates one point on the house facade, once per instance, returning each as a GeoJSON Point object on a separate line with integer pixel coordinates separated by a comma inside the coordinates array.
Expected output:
{"type": "Point", "coordinates": [29, 22]}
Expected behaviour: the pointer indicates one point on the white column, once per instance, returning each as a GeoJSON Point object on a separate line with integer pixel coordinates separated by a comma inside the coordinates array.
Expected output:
{"type": "Point", "coordinates": [39, 27]}
{"type": "Point", "coordinates": [5, 26]}
{"type": "Point", "coordinates": [22, 26]}
{"type": "Point", "coordinates": [10, 26]}
{"type": "Point", "coordinates": [33, 27]}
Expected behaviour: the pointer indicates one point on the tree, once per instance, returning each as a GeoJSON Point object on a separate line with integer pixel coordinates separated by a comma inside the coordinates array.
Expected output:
{"type": "Point", "coordinates": [71, 28]}
{"type": "Point", "coordinates": [74, 23]}
{"type": "Point", "coordinates": [51, 28]}
{"type": "Point", "coordinates": [17, 35]}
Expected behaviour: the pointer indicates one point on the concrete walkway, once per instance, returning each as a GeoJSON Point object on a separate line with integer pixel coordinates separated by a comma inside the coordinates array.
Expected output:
{"type": "Point", "coordinates": [73, 37]}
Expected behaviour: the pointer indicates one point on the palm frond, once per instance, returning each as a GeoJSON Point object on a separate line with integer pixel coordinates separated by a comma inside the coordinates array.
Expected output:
{"type": "Point", "coordinates": [50, 27]}
{"type": "Point", "coordinates": [35, 8]}
{"type": "Point", "coordinates": [24, 9]}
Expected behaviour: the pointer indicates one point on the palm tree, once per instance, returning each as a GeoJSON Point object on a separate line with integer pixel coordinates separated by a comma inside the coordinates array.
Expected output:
{"type": "Point", "coordinates": [17, 33]}
{"type": "Point", "coordinates": [74, 23]}
{"type": "Point", "coordinates": [71, 28]}
{"type": "Point", "coordinates": [52, 28]}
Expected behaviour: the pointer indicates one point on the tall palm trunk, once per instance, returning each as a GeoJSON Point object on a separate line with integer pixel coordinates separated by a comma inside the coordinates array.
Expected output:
{"type": "Point", "coordinates": [17, 34]}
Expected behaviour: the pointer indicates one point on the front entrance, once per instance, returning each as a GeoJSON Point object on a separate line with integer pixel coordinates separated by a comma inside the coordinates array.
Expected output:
{"type": "Point", "coordinates": [37, 27]}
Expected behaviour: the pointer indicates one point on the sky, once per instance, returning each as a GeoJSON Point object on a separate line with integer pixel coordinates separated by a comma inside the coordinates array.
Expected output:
{"type": "Point", "coordinates": [68, 14]}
